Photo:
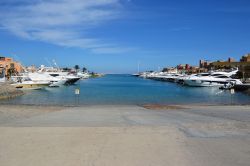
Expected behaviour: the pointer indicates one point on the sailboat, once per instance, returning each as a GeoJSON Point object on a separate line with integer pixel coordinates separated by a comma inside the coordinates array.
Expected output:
{"type": "Point", "coordinates": [138, 70]}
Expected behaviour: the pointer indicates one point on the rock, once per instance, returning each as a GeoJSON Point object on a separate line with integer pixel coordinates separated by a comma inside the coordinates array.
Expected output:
{"type": "Point", "coordinates": [7, 91]}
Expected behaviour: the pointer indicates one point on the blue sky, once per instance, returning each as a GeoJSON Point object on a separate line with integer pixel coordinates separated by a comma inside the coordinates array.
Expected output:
{"type": "Point", "coordinates": [112, 36]}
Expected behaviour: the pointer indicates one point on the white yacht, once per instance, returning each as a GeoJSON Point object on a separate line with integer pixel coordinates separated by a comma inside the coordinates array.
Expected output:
{"type": "Point", "coordinates": [170, 77]}
{"type": "Point", "coordinates": [164, 76]}
{"type": "Point", "coordinates": [175, 77]}
{"type": "Point", "coordinates": [70, 78]}
{"type": "Point", "coordinates": [136, 74]}
{"type": "Point", "coordinates": [150, 75]}
{"type": "Point", "coordinates": [144, 74]}
{"type": "Point", "coordinates": [55, 81]}
{"type": "Point", "coordinates": [180, 79]}
{"type": "Point", "coordinates": [210, 79]}
{"type": "Point", "coordinates": [83, 75]}
{"type": "Point", "coordinates": [27, 83]}
{"type": "Point", "coordinates": [158, 75]}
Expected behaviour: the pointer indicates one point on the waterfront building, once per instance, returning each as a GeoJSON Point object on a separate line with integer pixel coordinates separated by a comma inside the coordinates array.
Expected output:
{"type": "Point", "coordinates": [243, 65]}
{"type": "Point", "coordinates": [9, 64]}
{"type": "Point", "coordinates": [231, 60]}
{"type": "Point", "coordinates": [194, 69]}
{"type": "Point", "coordinates": [170, 70]}
{"type": "Point", "coordinates": [31, 69]}
{"type": "Point", "coordinates": [188, 69]}
{"type": "Point", "coordinates": [205, 64]}
{"type": "Point", "coordinates": [181, 67]}
{"type": "Point", "coordinates": [245, 58]}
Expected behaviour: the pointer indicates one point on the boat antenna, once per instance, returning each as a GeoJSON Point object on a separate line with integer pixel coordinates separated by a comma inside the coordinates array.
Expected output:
{"type": "Point", "coordinates": [54, 61]}
{"type": "Point", "coordinates": [46, 59]}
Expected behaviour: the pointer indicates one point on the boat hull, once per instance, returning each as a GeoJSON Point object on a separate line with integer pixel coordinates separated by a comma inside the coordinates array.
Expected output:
{"type": "Point", "coordinates": [200, 83]}
{"type": "Point", "coordinates": [242, 87]}
{"type": "Point", "coordinates": [57, 83]}
{"type": "Point", "coordinates": [71, 81]}
{"type": "Point", "coordinates": [30, 86]}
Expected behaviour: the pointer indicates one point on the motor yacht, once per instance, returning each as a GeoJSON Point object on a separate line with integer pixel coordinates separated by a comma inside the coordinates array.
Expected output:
{"type": "Point", "coordinates": [159, 76]}
{"type": "Point", "coordinates": [145, 74]}
{"type": "Point", "coordinates": [83, 75]}
{"type": "Point", "coordinates": [136, 74]}
{"type": "Point", "coordinates": [55, 81]}
{"type": "Point", "coordinates": [27, 83]}
{"type": "Point", "coordinates": [180, 79]}
{"type": "Point", "coordinates": [210, 79]}
{"type": "Point", "coordinates": [170, 77]}
{"type": "Point", "coordinates": [55, 72]}
{"type": "Point", "coordinates": [175, 77]}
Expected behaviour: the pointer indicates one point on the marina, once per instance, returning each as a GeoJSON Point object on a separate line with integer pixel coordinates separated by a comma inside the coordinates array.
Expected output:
{"type": "Point", "coordinates": [211, 79]}
{"type": "Point", "coordinates": [124, 83]}
{"type": "Point", "coordinates": [127, 89]}
{"type": "Point", "coordinates": [223, 83]}
{"type": "Point", "coordinates": [73, 86]}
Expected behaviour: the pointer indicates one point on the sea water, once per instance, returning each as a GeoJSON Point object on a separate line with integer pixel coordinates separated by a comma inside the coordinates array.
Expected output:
{"type": "Point", "coordinates": [127, 89]}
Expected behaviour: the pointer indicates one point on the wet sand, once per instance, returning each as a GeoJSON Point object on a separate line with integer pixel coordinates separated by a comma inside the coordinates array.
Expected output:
{"type": "Point", "coordinates": [124, 135]}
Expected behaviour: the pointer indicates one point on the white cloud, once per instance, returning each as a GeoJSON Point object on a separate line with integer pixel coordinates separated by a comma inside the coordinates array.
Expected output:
{"type": "Point", "coordinates": [61, 22]}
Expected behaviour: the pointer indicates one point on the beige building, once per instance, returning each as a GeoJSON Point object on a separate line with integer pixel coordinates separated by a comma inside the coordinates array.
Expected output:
{"type": "Point", "coordinates": [243, 65]}
{"type": "Point", "coordinates": [204, 64]}
{"type": "Point", "coordinates": [245, 58]}
{"type": "Point", "coordinates": [9, 64]}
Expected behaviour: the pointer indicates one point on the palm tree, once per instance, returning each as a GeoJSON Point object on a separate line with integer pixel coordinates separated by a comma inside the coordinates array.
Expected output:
{"type": "Point", "coordinates": [77, 67]}
{"type": "Point", "coordinates": [84, 69]}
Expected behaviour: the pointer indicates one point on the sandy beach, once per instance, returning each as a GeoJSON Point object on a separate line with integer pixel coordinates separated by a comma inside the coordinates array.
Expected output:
{"type": "Point", "coordinates": [124, 135]}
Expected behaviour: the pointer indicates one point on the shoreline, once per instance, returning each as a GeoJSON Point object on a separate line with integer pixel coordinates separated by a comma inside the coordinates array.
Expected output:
{"type": "Point", "coordinates": [117, 105]}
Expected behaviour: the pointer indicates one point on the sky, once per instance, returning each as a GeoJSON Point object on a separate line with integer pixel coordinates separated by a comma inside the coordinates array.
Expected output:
{"type": "Point", "coordinates": [113, 36]}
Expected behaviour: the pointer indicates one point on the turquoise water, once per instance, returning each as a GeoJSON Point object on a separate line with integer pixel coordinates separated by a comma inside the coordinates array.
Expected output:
{"type": "Point", "coordinates": [126, 89]}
